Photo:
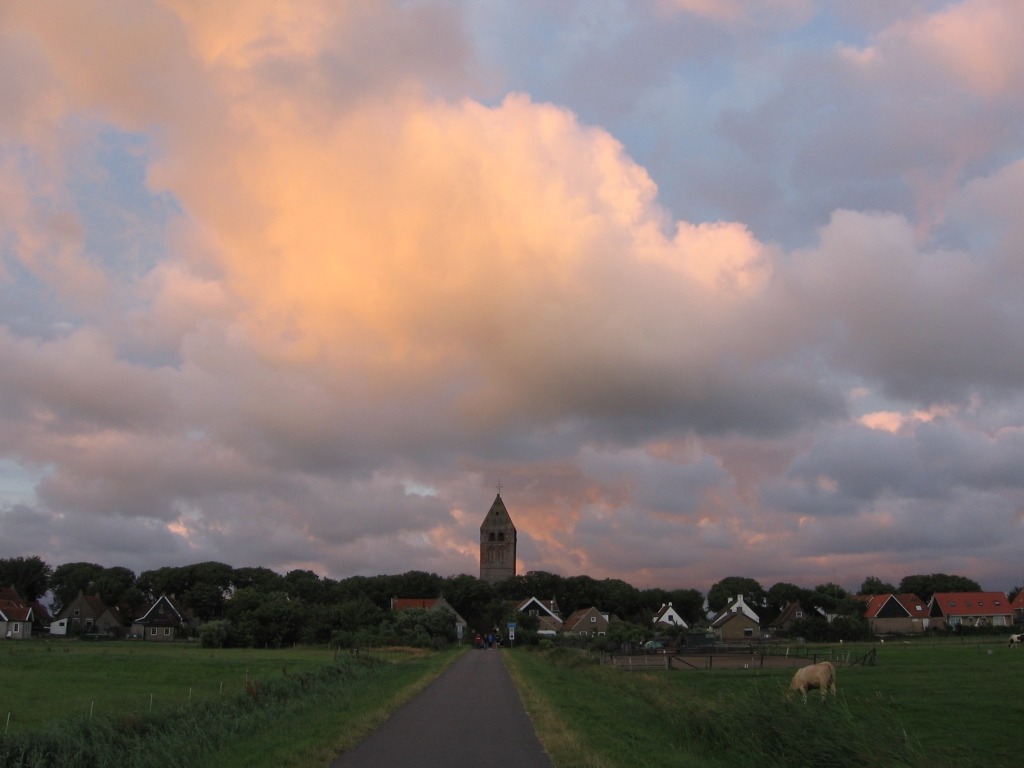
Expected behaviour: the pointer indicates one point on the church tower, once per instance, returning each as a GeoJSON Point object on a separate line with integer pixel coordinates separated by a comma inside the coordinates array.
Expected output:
{"type": "Point", "coordinates": [497, 544]}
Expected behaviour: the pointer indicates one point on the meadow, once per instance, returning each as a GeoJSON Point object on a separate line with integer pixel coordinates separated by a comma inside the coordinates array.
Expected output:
{"type": "Point", "coordinates": [925, 703]}
{"type": "Point", "coordinates": [134, 703]}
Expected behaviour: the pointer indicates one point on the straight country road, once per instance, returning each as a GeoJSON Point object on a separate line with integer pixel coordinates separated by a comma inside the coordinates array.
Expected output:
{"type": "Point", "coordinates": [470, 716]}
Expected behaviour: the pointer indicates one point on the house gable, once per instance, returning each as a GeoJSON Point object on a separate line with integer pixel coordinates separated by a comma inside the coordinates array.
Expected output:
{"type": "Point", "coordinates": [15, 615]}
{"type": "Point", "coordinates": [668, 616]}
{"type": "Point", "coordinates": [533, 606]}
{"type": "Point", "coordinates": [586, 622]}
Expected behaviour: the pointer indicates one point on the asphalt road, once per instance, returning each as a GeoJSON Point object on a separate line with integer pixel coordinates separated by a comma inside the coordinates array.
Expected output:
{"type": "Point", "coordinates": [470, 716]}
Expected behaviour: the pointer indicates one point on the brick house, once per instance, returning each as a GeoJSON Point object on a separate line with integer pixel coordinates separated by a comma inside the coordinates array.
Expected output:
{"type": "Point", "coordinates": [587, 622]}
{"type": "Point", "coordinates": [905, 614]}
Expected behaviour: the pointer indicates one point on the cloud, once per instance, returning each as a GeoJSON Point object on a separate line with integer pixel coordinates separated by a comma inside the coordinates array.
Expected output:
{"type": "Point", "coordinates": [279, 293]}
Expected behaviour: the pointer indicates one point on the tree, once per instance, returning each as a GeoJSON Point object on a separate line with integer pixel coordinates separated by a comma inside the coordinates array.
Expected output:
{"type": "Point", "coordinates": [71, 578]}
{"type": "Point", "coordinates": [30, 576]}
{"type": "Point", "coordinates": [731, 586]}
{"type": "Point", "coordinates": [783, 593]}
{"type": "Point", "coordinates": [924, 586]}
{"type": "Point", "coordinates": [260, 578]}
{"type": "Point", "coordinates": [112, 584]}
{"type": "Point", "coordinates": [875, 586]}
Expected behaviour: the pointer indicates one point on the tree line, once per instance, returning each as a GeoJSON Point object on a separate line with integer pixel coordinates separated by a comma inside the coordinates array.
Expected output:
{"type": "Point", "coordinates": [256, 606]}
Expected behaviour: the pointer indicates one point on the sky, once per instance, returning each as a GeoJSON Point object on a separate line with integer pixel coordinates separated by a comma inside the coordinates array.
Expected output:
{"type": "Point", "coordinates": [710, 287]}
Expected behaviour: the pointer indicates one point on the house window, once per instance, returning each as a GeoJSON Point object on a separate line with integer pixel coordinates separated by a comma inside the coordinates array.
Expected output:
{"type": "Point", "coordinates": [167, 631]}
{"type": "Point", "coordinates": [748, 632]}
{"type": "Point", "coordinates": [88, 623]}
{"type": "Point", "coordinates": [152, 631]}
{"type": "Point", "coordinates": [76, 611]}
{"type": "Point", "coordinates": [593, 619]}
{"type": "Point", "coordinates": [799, 614]}
{"type": "Point", "coordinates": [17, 627]}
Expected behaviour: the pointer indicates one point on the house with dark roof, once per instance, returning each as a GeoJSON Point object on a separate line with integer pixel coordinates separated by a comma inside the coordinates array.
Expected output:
{"type": "Point", "coordinates": [165, 620]}
{"type": "Point", "coordinates": [90, 615]}
{"type": "Point", "coordinates": [969, 609]}
{"type": "Point", "coordinates": [737, 621]}
{"type": "Point", "coordinates": [587, 622]}
{"type": "Point", "coordinates": [429, 604]}
{"type": "Point", "coordinates": [15, 615]}
{"type": "Point", "coordinates": [792, 613]}
{"type": "Point", "coordinates": [547, 613]}
{"type": "Point", "coordinates": [905, 614]}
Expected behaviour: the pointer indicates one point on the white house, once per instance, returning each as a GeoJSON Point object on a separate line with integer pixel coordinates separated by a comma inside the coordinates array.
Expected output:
{"type": "Point", "coordinates": [668, 616]}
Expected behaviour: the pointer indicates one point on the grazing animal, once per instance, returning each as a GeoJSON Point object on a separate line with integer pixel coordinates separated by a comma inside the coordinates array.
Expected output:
{"type": "Point", "coordinates": [1016, 640]}
{"type": "Point", "coordinates": [821, 676]}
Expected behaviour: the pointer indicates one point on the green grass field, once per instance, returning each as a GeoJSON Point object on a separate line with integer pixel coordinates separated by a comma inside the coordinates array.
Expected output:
{"type": "Point", "coordinates": [135, 702]}
{"type": "Point", "coordinates": [926, 703]}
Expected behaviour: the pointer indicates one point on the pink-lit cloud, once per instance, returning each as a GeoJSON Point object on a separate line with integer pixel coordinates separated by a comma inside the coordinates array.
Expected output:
{"type": "Point", "coordinates": [297, 289]}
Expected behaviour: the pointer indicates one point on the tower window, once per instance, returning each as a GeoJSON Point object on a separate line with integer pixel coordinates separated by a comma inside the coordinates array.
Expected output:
{"type": "Point", "coordinates": [490, 536]}
{"type": "Point", "coordinates": [501, 536]}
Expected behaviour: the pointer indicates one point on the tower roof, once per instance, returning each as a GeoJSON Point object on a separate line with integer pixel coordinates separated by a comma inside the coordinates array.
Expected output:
{"type": "Point", "coordinates": [497, 516]}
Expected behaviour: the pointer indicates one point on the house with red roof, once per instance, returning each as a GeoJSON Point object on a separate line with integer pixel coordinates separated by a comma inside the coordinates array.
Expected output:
{"type": "Point", "coordinates": [15, 615]}
{"type": "Point", "coordinates": [429, 604]}
{"type": "Point", "coordinates": [970, 609]}
{"type": "Point", "coordinates": [905, 614]}
{"type": "Point", "coordinates": [1017, 606]}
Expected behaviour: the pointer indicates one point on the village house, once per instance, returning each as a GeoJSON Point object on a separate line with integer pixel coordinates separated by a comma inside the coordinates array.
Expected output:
{"type": "Point", "coordinates": [737, 621]}
{"type": "Point", "coordinates": [430, 604]}
{"type": "Point", "coordinates": [587, 622]}
{"type": "Point", "coordinates": [165, 620]}
{"type": "Point", "coordinates": [89, 615]}
{"type": "Point", "coordinates": [549, 617]}
{"type": "Point", "coordinates": [15, 615]}
{"type": "Point", "coordinates": [791, 614]}
{"type": "Point", "coordinates": [905, 614]}
{"type": "Point", "coordinates": [969, 609]}
{"type": "Point", "coordinates": [667, 617]}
